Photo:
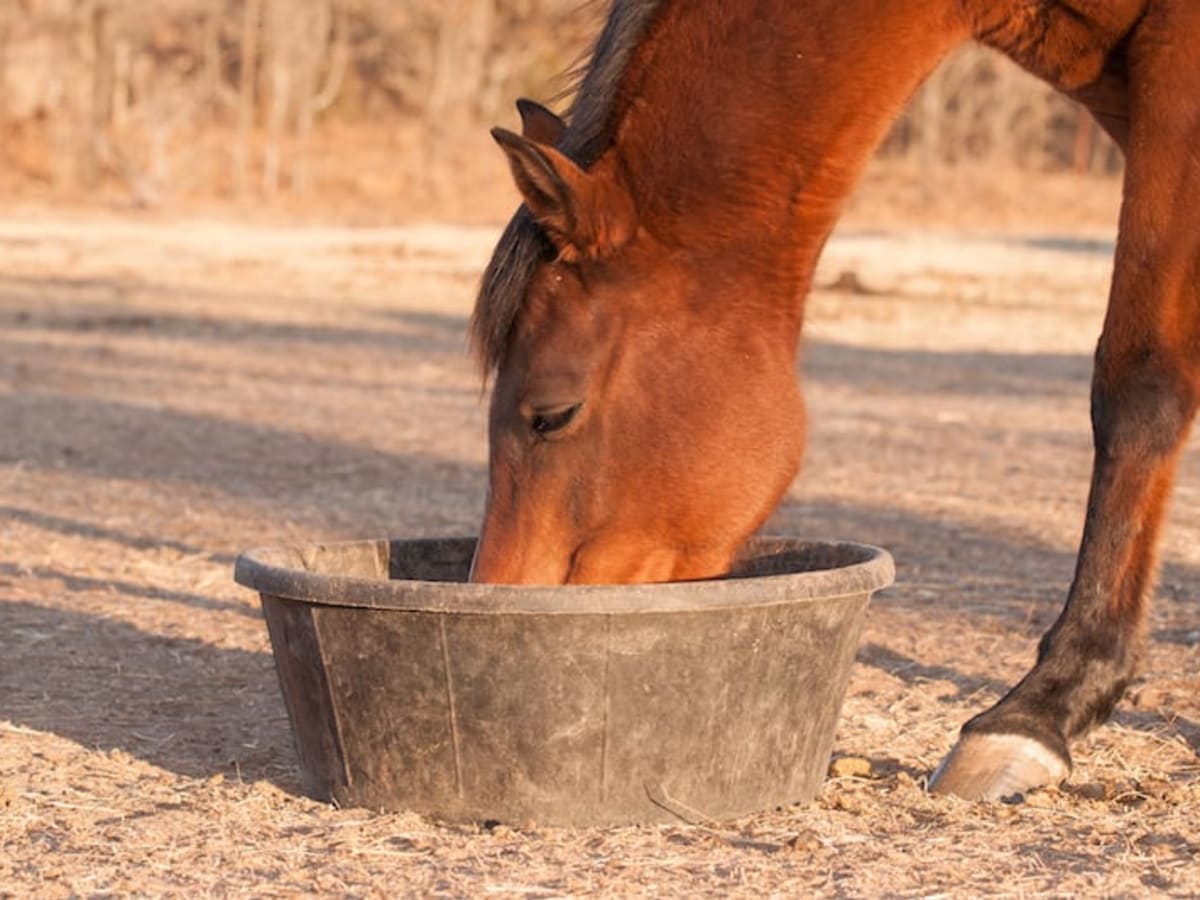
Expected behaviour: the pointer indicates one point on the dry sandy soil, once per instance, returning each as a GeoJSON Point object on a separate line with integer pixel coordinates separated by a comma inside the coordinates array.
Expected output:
{"type": "Point", "coordinates": [172, 393]}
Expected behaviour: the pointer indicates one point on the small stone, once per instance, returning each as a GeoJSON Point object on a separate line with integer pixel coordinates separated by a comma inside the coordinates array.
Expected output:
{"type": "Point", "coordinates": [850, 767]}
{"type": "Point", "coordinates": [264, 790]}
{"type": "Point", "coordinates": [1093, 790]}
{"type": "Point", "coordinates": [1040, 799]}
{"type": "Point", "coordinates": [847, 803]}
{"type": "Point", "coordinates": [804, 842]}
{"type": "Point", "coordinates": [1150, 696]}
{"type": "Point", "coordinates": [1157, 788]}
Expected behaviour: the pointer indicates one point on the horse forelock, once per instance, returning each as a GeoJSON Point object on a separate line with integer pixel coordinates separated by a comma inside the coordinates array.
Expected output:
{"type": "Point", "coordinates": [591, 123]}
{"type": "Point", "coordinates": [502, 290]}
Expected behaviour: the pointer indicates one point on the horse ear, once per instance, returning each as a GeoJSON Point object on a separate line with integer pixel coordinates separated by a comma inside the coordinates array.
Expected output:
{"type": "Point", "coordinates": [538, 123]}
{"type": "Point", "coordinates": [584, 214]}
{"type": "Point", "coordinates": [549, 182]}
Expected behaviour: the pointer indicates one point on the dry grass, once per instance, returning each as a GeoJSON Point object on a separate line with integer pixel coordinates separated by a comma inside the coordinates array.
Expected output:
{"type": "Point", "coordinates": [173, 392]}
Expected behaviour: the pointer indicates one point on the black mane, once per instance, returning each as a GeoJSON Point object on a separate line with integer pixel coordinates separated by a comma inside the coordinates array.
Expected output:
{"type": "Point", "coordinates": [523, 245]}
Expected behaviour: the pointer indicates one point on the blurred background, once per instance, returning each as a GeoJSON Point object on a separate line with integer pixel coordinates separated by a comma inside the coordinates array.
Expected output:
{"type": "Point", "coordinates": [373, 111]}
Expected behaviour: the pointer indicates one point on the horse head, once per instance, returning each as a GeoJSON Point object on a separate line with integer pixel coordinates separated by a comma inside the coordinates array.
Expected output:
{"type": "Point", "coordinates": [644, 420]}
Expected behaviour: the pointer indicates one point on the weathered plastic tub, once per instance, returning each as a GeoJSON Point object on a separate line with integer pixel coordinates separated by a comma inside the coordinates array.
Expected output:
{"type": "Point", "coordinates": [410, 689]}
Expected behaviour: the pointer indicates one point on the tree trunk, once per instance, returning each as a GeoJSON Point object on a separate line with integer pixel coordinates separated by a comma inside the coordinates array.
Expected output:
{"type": "Point", "coordinates": [929, 135]}
{"type": "Point", "coordinates": [102, 82]}
{"type": "Point", "coordinates": [1085, 142]}
{"type": "Point", "coordinates": [247, 80]}
{"type": "Point", "coordinates": [459, 73]}
{"type": "Point", "coordinates": [212, 56]}
{"type": "Point", "coordinates": [309, 58]}
{"type": "Point", "coordinates": [280, 94]}
{"type": "Point", "coordinates": [6, 24]}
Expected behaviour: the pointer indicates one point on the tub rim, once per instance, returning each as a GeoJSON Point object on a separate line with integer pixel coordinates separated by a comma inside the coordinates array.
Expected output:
{"type": "Point", "coordinates": [286, 572]}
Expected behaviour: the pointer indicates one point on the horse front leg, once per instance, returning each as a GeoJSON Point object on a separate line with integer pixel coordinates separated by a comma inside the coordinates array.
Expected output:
{"type": "Point", "coordinates": [1089, 655]}
{"type": "Point", "coordinates": [1144, 397]}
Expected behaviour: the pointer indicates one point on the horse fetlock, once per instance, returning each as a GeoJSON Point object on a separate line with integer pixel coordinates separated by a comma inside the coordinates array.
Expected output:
{"type": "Point", "coordinates": [997, 766]}
{"type": "Point", "coordinates": [1081, 675]}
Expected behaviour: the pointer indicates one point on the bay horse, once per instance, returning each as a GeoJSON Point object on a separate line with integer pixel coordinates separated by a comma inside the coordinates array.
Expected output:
{"type": "Point", "coordinates": [640, 316]}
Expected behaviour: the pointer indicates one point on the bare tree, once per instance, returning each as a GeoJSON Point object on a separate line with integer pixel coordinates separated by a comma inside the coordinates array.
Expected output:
{"type": "Point", "coordinates": [248, 79]}
{"type": "Point", "coordinates": [304, 39]}
{"type": "Point", "coordinates": [99, 17]}
{"type": "Point", "coordinates": [327, 48]}
{"type": "Point", "coordinates": [179, 96]}
{"type": "Point", "coordinates": [464, 37]}
{"type": "Point", "coordinates": [7, 17]}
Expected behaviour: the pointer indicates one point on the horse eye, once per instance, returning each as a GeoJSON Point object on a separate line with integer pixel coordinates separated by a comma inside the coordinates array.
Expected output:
{"type": "Point", "coordinates": [547, 421]}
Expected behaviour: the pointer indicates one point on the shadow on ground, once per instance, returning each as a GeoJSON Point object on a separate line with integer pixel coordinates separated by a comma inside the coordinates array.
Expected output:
{"type": "Point", "coordinates": [300, 474]}
{"type": "Point", "coordinates": [179, 704]}
{"type": "Point", "coordinates": [1034, 375]}
{"type": "Point", "coordinates": [197, 710]}
{"type": "Point", "coordinates": [954, 566]}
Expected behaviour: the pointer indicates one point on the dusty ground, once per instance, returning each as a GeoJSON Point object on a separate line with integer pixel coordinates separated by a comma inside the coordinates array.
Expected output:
{"type": "Point", "coordinates": [172, 393]}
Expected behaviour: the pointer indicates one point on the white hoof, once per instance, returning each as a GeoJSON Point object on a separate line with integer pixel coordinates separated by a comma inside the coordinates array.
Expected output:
{"type": "Point", "coordinates": [995, 766]}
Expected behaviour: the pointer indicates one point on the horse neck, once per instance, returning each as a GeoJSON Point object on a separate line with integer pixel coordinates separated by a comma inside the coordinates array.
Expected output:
{"type": "Point", "coordinates": [744, 125]}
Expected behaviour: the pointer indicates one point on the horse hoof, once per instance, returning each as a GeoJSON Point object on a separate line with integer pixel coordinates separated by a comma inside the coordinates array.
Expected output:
{"type": "Point", "coordinates": [996, 766]}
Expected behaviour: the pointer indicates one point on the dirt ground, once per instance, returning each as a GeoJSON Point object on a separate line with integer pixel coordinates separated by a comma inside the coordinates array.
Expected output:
{"type": "Point", "coordinates": [173, 392]}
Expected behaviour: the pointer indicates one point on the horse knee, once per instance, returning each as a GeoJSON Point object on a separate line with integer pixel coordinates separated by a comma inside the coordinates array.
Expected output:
{"type": "Point", "coordinates": [1141, 410]}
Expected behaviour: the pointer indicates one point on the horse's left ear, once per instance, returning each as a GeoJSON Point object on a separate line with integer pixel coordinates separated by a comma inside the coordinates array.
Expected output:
{"type": "Point", "coordinates": [585, 214]}
{"type": "Point", "coordinates": [538, 123]}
